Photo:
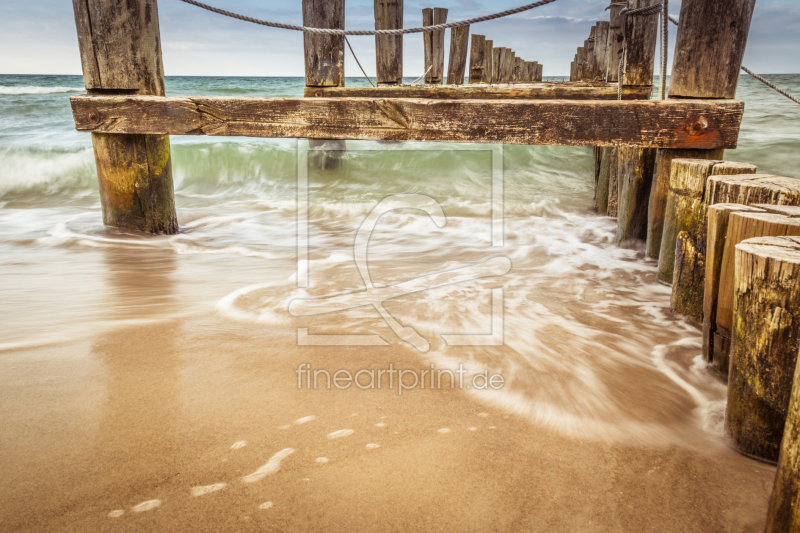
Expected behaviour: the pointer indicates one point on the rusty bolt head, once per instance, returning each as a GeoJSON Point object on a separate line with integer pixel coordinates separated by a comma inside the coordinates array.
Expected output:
{"type": "Point", "coordinates": [696, 125]}
{"type": "Point", "coordinates": [93, 115]}
{"type": "Point", "coordinates": [318, 94]}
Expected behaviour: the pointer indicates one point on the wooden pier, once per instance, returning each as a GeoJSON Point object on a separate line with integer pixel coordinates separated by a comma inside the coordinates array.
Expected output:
{"type": "Point", "coordinates": [724, 236]}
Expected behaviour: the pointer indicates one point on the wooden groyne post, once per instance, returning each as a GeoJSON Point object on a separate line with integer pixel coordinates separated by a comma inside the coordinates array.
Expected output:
{"type": "Point", "coordinates": [635, 165]}
{"type": "Point", "coordinates": [784, 506]}
{"type": "Point", "coordinates": [765, 343]}
{"type": "Point", "coordinates": [709, 48]}
{"type": "Point", "coordinates": [477, 59]}
{"type": "Point", "coordinates": [120, 47]}
{"type": "Point", "coordinates": [459, 38]}
{"type": "Point", "coordinates": [389, 48]}
{"type": "Point", "coordinates": [434, 45]}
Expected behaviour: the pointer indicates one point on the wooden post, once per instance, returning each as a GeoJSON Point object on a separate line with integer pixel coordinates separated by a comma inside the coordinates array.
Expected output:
{"type": "Point", "coordinates": [572, 71]}
{"type": "Point", "coordinates": [580, 64]}
{"type": "Point", "coordinates": [637, 178]}
{"type": "Point", "coordinates": [496, 57]}
{"type": "Point", "coordinates": [591, 68]}
{"type": "Point", "coordinates": [505, 65]}
{"type": "Point", "coordinates": [613, 194]}
{"type": "Point", "coordinates": [616, 42]}
{"type": "Point", "coordinates": [685, 206]}
{"type": "Point", "coordinates": [512, 65]}
{"type": "Point", "coordinates": [477, 59]}
{"type": "Point", "coordinates": [324, 54]}
{"type": "Point", "coordinates": [459, 39]}
{"type": "Point", "coordinates": [519, 76]}
{"type": "Point", "coordinates": [604, 181]}
{"type": "Point", "coordinates": [718, 216]}
{"type": "Point", "coordinates": [389, 48]}
{"type": "Point", "coordinates": [709, 47]}
{"type": "Point", "coordinates": [784, 505]}
{"type": "Point", "coordinates": [437, 73]}
{"type": "Point", "coordinates": [765, 343]}
{"type": "Point", "coordinates": [601, 50]}
{"type": "Point", "coordinates": [427, 43]}
{"type": "Point", "coordinates": [488, 65]}
{"type": "Point", "coordinates": [120, 47]}
{"type": "Point", "coordinates": [539, 72]}
{"type": "Point", "coordinates": [636, 173]}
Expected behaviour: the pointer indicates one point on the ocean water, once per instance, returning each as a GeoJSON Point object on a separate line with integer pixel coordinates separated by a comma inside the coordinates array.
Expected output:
{"type": "Point", "coordinates": [589, 347]}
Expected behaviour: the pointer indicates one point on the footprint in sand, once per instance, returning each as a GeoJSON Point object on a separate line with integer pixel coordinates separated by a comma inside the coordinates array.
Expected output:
{"type": "Point", "coordinates": [305, 419]}
{"type": "Point", "coordinates": [473, 429]}
{"type": "Point", "coordinates": [265, 505]}
{"type": "Point", "coordinates": [322, 460]}
{"type": "Point", "coordinates": [380, 425]}
{"type": "Point", "coordinates": [238, 445]}
{"type": "Point", "coordinates": [116, 514]}
{"type": "Point", "coordinates": [372, 446]}
{"type": "Point", "coordinates": [272, 466]}
{"type": "Point", "coordinates": [340, 433]}
{"type": "Point", "coordinates": [483, 415]}
{"type": "Point", "coordinates": [207, 489]}
{"type": "Point", "coordinates": [443, 431]}
{"type": "Point", "coordinates": [146, 506]}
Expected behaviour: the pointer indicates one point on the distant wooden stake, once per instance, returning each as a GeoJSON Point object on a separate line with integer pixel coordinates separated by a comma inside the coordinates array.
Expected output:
{"type": "Point", "coordinates": [427, 42]}
{"type": "Point", "coordinates": [600, 50]}
{"type": "Point", "coordinates": [120, 46]}
{"type": "Point", "coordinates": [477, 59]}
{"type": "Point", "coordinates": [459, 39]}
{"type": "Point", "coordinates": [324, 54]}
{"type": "Point", "coordinates": [488, 65]}
{"type": "Point", "coordinates": [389, 48]}
{"type": "Point", "coordinates": [437, 73]}
{"type": "Point", "coordinates": [496, 56]}
{"type": "Point", "coordinates": [616, 42]}
{"type": "Point", "coordinates": [589, 45]}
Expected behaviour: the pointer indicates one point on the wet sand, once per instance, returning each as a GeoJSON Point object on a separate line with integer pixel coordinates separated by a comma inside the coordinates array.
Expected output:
{"type": "Point", "coordinates": [150, 412]}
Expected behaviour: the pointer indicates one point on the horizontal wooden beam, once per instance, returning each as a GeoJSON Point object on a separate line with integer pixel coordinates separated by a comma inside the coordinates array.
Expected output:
{"type": "Point", "coordinates": [539, 91]}
{"type": "Point", "coordinates": [706, 124]}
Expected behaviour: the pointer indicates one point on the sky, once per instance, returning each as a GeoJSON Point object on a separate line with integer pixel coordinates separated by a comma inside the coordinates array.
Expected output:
{"type": "Point", "coordinates": [38, 36]}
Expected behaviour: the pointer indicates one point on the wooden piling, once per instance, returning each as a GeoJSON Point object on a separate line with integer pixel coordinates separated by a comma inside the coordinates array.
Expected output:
{"type": "Point", "coordinates": [389, 48]}
{"type": "Point", "coordinates": [459, 39]}
{"type": "Point", "coordinates": [434, 45]}
{"type": "Point", "coordinates": [765, 343]}
{"type": "Point", "coordinates": [639, 163]}
{"type": "Point", "coordinates": [539, 72]}
{"type": "Point", "coordinates": [784, 506]}
{"type": "Point", "coordinates": [709, 47]}
{"type": "Point", "coordinates": [120, 47]}
{"type": "Point", "coordinates": [477, 59]}
{"type": "Point", "coordinates": [488, 65]}
{"type": "Point", "coordinates": [589, 46]}
{"type": "Point", "coordinates": [604, 181]}
{"type": "Point", "coordinates": [324, 54]}
{"type": "Point", "coordinates": [580, 65]}
{"type": "Point", "coordinates": [616, 41]}
{"type": "Point", "coordinates": [601, 50]}
{"type": "Point", "coordinates": [685, 207]}
{"type": "Point", "coordinates": [518, 75]}
{"type": "Point", "coordinates": [613, 195]}
{"type": "Point", "coordinates": [636, 173]}
{"type": "Point", "coordinates": [660, 191]}
{"type": "Point", "coordinates": [715, 348]}
{"type": "Point", "coordinates": [496, 54]}
{"type": "Point", "coordinates": [512, 64]}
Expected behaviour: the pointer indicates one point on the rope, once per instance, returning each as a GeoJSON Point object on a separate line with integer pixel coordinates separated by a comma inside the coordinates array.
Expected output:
{"type": "Point", "coordinates": [370, 32]}
{"type": "Point", "coordinates": [357, 61]}
{"type": "Point", "coordinates": [662, 79]}
{"type": "Point", "coordinates": [768, 84]}
{"type": "Point", "coordinates": [759, 78]}
{"type": "Point", "coordinates": [426, 73]}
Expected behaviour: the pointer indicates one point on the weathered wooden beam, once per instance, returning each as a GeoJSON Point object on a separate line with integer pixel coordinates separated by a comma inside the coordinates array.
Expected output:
{"type": "Point", "coordinates": [324, 54]}
{"type": "Point", "coordinates": [389, 48]}
{"type": "Point", "coordinates": [477, 61]}
{"type": "Point", "coordinates": [709, 47]}
{"type": "Point", "coordinates": [459, 37]}
{"type": "Point", "coordinates": [120, 48]}
{"type": "Point", "coordinates": [672, 124]}
{"type": "Point", "coordinates": [543, 91]}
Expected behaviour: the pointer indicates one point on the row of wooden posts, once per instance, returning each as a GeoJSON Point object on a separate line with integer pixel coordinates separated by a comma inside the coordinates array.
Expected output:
{"type": "Point", "coordinates": [598, 59]}
{"type": "Point", "coordinates": [728, 241]}
{"type": "Point", "coordinates": [486, 63]}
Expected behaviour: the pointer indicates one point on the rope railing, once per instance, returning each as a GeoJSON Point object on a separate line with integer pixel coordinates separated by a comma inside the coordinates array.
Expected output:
{"type": "Point", "coordinates": [331, 31]}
